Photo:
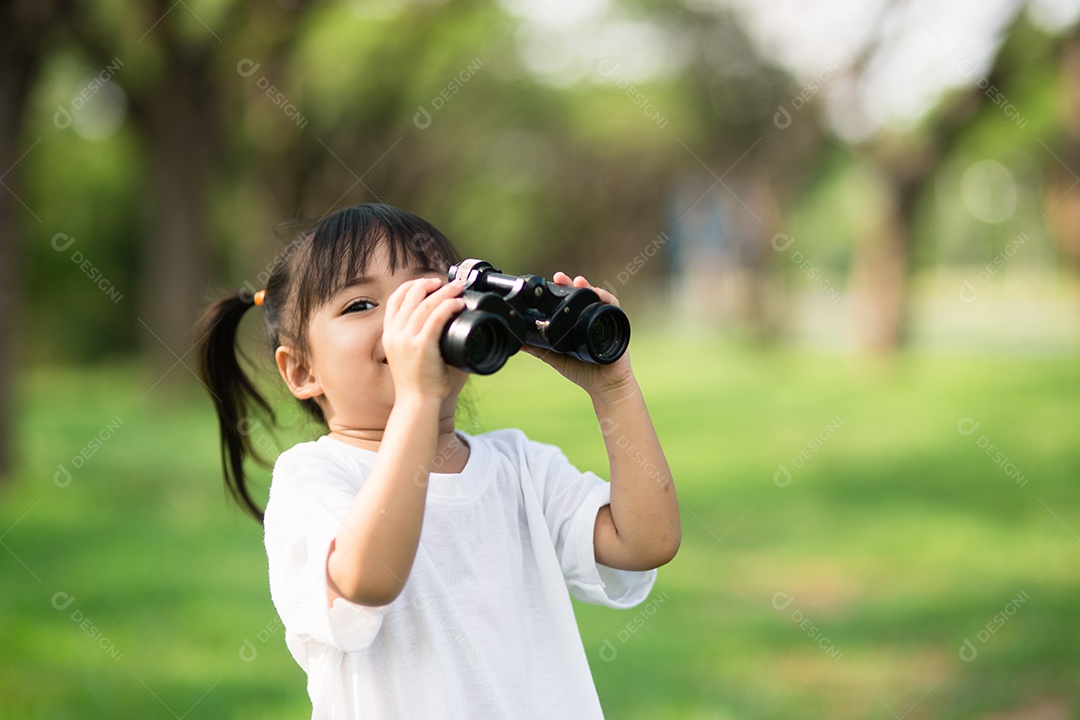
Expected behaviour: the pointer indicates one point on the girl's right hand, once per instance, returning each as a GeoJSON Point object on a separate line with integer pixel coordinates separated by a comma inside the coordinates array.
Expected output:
{"type": "Point", "coordinates": [416, 314]}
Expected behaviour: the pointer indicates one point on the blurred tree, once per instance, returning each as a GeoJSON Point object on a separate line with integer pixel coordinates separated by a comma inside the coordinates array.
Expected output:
{"type": "Point", "coordinates": [545, 175]}
{"type": "Point", "coordinates": [515, 169]}
{"type": "Point", "coordinates": [905, 164]}
{"type": "Point", "coordinates": [252, 113]}
{"type": "Point", "coordinates": [181, 65]}
{"type": "Point", "coordinates": [902, 162]}
{"type": "Point", "coordinates": [1062, 196]}
{"type": "Point", "coordinates": [756, 159]}
{"type": "Point", "coordinates": [24, 30]}
{"type": "Point", "coordinates": [972, 119]}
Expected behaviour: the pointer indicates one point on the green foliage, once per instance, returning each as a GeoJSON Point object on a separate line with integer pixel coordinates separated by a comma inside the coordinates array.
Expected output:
{"type": "Point", "coordinates": [899, 538]}
{"type": "Point", "coordinates": [535, 175]}
{"type": "Point", "coordinates": [88, 190]}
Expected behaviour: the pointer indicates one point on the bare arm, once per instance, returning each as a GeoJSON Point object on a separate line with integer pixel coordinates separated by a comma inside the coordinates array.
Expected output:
{"type": "Point", "coordinates": [640, 529]}
{"type": "Point", "coordinates": [373, 552]}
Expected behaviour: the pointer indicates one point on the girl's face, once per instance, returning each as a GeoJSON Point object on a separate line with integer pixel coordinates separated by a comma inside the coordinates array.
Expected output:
{"type": "Point", "coordinates": [347, 364]}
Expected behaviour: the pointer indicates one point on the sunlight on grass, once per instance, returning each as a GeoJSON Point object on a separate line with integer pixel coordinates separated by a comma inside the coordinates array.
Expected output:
{"type": "Point", "coordinates": [895, 538]}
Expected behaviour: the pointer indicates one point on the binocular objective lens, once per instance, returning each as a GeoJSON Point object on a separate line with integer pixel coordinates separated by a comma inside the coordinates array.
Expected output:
{"type": "Point", "coordinates": [482, 346]}
{"type": "Point", "coordinates": [476, 341]}
{"type": "Point", "coordinates": [604, 337]}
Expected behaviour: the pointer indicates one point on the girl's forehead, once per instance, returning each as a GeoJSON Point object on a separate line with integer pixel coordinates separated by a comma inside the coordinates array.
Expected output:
{"type": "Point", "coordinates": [406, 261]}
{"type": "Point", "coordinates": [373, 277]}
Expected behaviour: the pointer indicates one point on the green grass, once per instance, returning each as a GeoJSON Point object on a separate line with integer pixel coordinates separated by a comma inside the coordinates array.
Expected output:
{"type": "Point", "coordinates": [898, 539]}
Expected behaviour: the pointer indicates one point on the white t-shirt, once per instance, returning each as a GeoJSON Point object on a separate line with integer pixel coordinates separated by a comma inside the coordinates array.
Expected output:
{"type": "Point", "coordinates": [484, 627]}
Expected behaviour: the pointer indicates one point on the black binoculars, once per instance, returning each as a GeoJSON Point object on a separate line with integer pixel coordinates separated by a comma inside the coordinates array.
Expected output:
{"type": "Point", "coordinates": [504, 312]}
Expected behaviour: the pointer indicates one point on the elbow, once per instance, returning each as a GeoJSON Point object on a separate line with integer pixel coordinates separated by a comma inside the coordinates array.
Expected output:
{"type": "Point", "coordinates": [373, 597]}
{"type": "Point", "coordinates": [660, 551]}
{"type": "Point", "coordinates": [374, 592]}
{"type": "Point", "coordinates": [668, 547]}
{"type": "Point", "coordinates": [360, 587]}
{"type": "Point", "coordinates": [669, 532]}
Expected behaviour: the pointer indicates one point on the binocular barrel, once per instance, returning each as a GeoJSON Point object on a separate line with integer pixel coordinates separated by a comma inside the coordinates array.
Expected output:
{"type": "Point", "coordinates": [504, 312]}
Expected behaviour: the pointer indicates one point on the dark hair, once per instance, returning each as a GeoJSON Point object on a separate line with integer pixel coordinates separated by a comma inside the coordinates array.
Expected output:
{"type": "Point", "coordinates": [311, 270]}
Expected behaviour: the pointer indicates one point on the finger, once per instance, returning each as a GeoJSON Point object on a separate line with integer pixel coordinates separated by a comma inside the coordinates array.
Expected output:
{"type": "Point", "coordinates": [561, 278]}
{"type": "Point", "coordinates": [435, 300]}
{"type": "Point", "coordinates": [403, 301]}
{"type": "Point", "coordinates": [581, 282]}
{"type": "Point", "coordinates": [397, 297]}
{"type": "Point", "coordinates": [437, 319]}
{"type": "Point", "coordinates": [606, 296]}
{"type": "Point", "coordinates": [446, 291]}
{"type": "Point", "coordinates": [418, 290]}
{"type": "Point", "coordinates": [394, 301]}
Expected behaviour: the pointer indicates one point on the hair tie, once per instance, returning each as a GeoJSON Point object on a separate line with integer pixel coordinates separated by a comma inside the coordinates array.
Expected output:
{"type": "Point", "coordinates": [260, 298]}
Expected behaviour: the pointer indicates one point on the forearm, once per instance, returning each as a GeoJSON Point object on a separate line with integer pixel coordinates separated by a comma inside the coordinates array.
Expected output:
{"type": "Point", "coordinates": [644, 508]}
{"type": "Point", "coordinates": [374, 549]}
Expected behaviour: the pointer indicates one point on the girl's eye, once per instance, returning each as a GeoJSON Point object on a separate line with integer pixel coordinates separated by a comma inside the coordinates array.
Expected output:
{"type": "Point", "coordinates": [359, 306]}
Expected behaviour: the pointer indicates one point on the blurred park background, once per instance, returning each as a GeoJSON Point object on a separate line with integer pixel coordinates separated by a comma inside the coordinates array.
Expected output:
{"type": "Point", "coordinates": [847, 233]}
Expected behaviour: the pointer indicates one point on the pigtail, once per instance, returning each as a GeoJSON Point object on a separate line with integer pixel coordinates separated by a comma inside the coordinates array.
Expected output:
{"type": "Point", "coordinates": [233, 393]}
{"type": "Point", "coordinates": [301, 280]}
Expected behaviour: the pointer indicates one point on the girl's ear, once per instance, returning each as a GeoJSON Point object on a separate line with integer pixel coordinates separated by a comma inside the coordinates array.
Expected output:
{"type": "Point", "coordinates": [296, 374]}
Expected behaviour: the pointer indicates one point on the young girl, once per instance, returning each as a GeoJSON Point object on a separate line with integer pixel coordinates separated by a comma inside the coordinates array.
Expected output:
{"type": "Point", "coordinates": [421, 572]}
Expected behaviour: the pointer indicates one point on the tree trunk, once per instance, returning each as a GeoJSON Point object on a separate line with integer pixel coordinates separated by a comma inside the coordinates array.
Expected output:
{"type": "Point", "coordinates": [1062, 199]}
{"type": "Point", "coordinates": [180, 113]}
{"type": "Point", "coordinates": [23, 24]}
{"type": "Point", "coordinates": [10, 253]}
{"type": "Point", "coordinates": [882, 260]}
{"type": "Point", "coordinates": [880, 269]}
{"type": "Point", "coordinates": [178, 121]}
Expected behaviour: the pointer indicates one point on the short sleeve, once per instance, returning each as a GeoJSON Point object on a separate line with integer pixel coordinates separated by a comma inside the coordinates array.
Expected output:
{"type": "Point", "coordinates": [571, 500]}
{"type": "Point", "coordinates": [310, 495]}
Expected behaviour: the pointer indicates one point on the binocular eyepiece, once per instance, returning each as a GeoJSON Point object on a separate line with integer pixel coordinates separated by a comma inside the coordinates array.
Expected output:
{"type": "Point", "coordinates": [504, 312]}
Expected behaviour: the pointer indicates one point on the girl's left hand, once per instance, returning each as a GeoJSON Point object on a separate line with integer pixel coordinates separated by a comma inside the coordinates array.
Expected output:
{"type": "Point", "coordinates": [600, 381]}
